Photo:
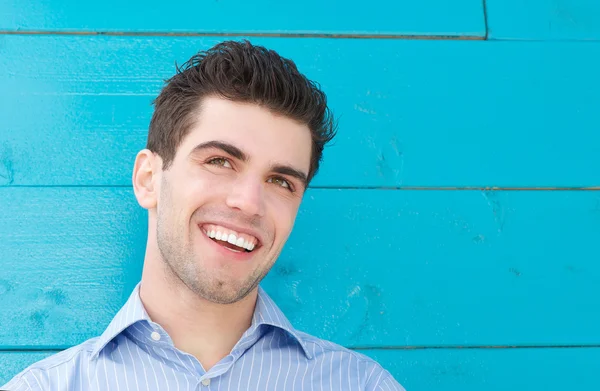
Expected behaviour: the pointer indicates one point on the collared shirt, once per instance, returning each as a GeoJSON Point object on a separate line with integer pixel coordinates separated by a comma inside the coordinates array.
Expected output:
{"type": "Point", "coordinates": [135, 353]}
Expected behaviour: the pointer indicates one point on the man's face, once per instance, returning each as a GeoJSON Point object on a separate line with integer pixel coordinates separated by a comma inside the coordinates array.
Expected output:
{"type": "Point", "coordinates": [227, 204]}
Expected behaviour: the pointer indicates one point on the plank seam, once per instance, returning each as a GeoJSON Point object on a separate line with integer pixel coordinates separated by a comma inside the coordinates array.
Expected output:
{"type": "Point", "coordinates": [433, 37]}
{"type": "Point", "coordinates": [485, 19]}
{"type": "Point", "coordinates": [248, 34]}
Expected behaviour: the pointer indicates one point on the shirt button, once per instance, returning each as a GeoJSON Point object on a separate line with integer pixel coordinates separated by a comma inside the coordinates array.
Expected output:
{"type": "Point", "coordinates": [155, 336]}
{"type": "Point", "coordinates": [206, 382]}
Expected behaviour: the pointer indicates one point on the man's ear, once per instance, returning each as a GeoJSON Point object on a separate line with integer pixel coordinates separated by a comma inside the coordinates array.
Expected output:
{"type": "Point", "coordinates": [145, 178]}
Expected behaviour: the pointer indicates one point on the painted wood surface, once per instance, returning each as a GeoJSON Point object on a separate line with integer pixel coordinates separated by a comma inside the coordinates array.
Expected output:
{"type": "Point", "coordinates": [365, 268]}
{"type": "Point", "coordinates": [405, 17]}
{"type": "Point", "coordinates": [412, 113]}
{"type": "Point", "coordinates": [543, 19]}
{"type": "Point", "coordinates": [397, 268]}
{"type": "Point", "coordinates": [453, 369]}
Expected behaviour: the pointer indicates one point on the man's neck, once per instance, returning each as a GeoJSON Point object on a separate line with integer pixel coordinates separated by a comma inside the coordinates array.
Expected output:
{"type": "Point", "coordinates": [206, 330]}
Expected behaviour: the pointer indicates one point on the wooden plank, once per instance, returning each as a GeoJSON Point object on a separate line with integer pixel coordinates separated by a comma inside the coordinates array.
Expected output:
{"type": "Point", "coordinates": [550, 369]}
{"type": "Point", "coordinates": [412, 113]}
{"type": "Point", "coordinates": [544, 19]}
{"type": "Point", "coordinates": [378, 17]}
{"type": "Point", "coordinates": [493, 369]}
{"type": "Point", "coordinates": [405, 268]}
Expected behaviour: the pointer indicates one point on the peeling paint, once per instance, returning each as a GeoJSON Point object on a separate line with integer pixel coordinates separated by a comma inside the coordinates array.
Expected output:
{"type": "Point", "coordinates": [479, 238]}
{"type": "Point", "coordinates": [381, 164]}
{"type": "Point", "coordinates": [355, 291]}
{"type": "Point", "coordinates": [398, 173]}
{"type": "Point", "coordinates": [515, 271]}
{"type": "Point", "coordinates": [7, 174]}
{"type": "Point", "coordinates": [286, 270]}
{"type": "Point", "coordinates": [5, 286]}
{"type": "Point", "coordinates": [394, 144]}
{"type": "Point", "coordinates": [364, 110]}
{"type": "Point", "coordinates": [497, 208]}
{"type": "Point", "coordinates": [38, 318]}
{"type": "Point", "coordinates": [56, 296]}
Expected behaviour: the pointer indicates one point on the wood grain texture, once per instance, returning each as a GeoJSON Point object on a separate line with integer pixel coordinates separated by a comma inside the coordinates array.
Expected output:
{"type": "Point", "coordinates": [430, 17]}
{"type": "Point", "coordinates": [544, 19]}
{"type": "Point", "coordinates": [75, 110]}
{"type": "Point", "coordinates": [493, 369]}
{"type": "Point", "coordinates": [397, 268]}
{"type": "Point", "coordinates": [550, 369]}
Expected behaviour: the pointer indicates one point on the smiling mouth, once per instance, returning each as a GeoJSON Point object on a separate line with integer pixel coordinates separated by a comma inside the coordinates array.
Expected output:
{"type": "Point", "coordinates": [229, 239]}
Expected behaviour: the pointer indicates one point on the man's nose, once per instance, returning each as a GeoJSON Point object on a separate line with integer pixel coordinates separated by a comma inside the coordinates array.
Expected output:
{"type": "Point", "coordinates": [247, 195]}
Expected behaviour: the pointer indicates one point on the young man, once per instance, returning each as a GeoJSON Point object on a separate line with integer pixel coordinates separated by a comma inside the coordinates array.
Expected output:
{"type": "Point", "coordinates": [236, 136]}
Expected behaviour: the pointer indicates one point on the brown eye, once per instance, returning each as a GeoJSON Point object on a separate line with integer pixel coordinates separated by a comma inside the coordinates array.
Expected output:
{"type": "Point", "coordinates": [281, 182]}
{"type": "Point", "coordinates": [219, 161]}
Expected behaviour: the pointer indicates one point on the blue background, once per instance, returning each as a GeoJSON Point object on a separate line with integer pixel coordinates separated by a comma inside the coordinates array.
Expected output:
{"type": "Point", "coordinates": [452, 233]}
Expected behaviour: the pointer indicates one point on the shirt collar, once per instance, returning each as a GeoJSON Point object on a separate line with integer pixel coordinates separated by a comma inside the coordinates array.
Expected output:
{"type": "Point", "coordinates": [266, 312]}
{"type": "Point", "coordinates": [132, 312]}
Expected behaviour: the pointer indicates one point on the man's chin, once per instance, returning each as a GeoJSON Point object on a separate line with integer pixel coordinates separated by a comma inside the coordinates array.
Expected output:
{"type": "Point", "coordinates": [222, 292]}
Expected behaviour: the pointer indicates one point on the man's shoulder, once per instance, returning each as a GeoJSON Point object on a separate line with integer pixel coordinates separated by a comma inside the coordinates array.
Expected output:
{"type": "Point", "coordinates": [319, 347]}
{"type": "Point", "coordinates": [42, 374]}
{"type": "Point", "coordinates": [343, 359]}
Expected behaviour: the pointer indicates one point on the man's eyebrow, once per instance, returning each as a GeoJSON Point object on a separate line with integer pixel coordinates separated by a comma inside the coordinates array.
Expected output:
{"type": "Point", "coordinates": [240, 155]}
{"type": "Point", "coordinates": [290, 171]}
{"type": "Point", "coordinates": [225, 147]}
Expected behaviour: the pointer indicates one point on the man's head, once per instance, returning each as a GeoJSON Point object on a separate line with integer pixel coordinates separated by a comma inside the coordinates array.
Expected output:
{"type": "Point", "coordinates": [240, 72]}
{"type": "Point", "coordinates": [236, 136]}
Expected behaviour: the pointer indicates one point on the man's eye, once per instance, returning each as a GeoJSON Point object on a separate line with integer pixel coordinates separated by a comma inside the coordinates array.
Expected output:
{"type": "Point", "coordinates": [281, 182]}
{"type": "Point", "coordinates": [219, 161]}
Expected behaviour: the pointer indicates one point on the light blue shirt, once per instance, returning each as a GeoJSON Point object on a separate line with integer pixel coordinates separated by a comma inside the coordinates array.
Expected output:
{"type": "Point", "coordinates": [135, 353]}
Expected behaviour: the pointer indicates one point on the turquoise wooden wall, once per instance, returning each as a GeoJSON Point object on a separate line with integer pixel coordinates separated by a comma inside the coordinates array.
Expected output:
{"type": "Point", "coordinates": [453, 232]}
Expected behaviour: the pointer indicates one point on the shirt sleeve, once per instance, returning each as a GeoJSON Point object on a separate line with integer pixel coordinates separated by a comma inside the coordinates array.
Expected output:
{"type": "Point", "coordinates": [384, 381]}
{"type": "Point", "coordinates": [388, 383]}
{"type": "Point", "coordinates": [16, 384]}
{"type": "Point", "coordinates": [24, 381]}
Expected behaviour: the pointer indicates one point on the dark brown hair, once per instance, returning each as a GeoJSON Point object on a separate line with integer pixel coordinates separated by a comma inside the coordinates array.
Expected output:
{"type": "Point", "coordinates": [241, 72]}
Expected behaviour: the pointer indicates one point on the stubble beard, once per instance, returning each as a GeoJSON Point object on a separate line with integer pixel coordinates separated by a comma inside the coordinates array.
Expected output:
{"type": "Point", "coordinates": [185, 265]}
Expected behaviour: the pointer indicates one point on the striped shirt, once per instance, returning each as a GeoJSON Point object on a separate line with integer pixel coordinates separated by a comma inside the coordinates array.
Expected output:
{"type": "Point", "coordinates": [135, 353]}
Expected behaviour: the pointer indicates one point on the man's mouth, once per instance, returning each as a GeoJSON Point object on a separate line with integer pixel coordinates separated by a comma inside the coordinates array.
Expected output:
{"type": "Point", "coordinates": [229, 239]}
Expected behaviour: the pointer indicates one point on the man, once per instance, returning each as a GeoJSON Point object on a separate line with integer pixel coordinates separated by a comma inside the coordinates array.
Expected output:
{"type": "Point", "coordinates": [236, 136]}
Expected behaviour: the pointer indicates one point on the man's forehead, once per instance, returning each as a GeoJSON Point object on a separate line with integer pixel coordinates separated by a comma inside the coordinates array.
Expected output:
{"type": "Point", "coordinates": [253, 130]}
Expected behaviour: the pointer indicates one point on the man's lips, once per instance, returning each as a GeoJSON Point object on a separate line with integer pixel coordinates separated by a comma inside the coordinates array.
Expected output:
{"type": "Point", "coordinates": [243, 238]}
{"type": "Point", "coordinates": [227, 248]}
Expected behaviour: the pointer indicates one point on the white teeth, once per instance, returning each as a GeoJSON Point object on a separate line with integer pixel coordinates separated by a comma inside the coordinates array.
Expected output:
{"type": "Point", "coordinates": [231, 238]}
